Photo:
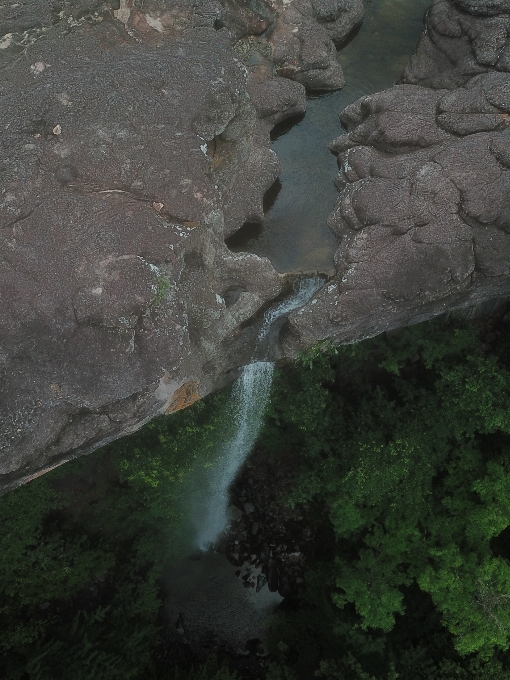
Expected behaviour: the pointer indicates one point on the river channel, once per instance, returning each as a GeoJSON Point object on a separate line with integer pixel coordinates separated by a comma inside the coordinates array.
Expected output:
{"type": "Point", "coordinates": [294, 234]}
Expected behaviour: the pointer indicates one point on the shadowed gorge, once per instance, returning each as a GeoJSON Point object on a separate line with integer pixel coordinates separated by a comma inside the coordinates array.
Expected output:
{"type": "Point", "coordinates": [342, 478]}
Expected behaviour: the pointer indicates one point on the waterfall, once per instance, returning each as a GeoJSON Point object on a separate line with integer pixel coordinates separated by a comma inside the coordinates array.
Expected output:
{"type": "Point", "coordinates": [305, 289]}
{"type": "Point", "coordinates": [246, 409]}
{"type": "Point", "coordinates": [249, 399]}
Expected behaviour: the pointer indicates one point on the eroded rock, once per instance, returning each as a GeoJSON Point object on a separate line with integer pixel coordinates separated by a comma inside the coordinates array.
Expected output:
{"type": "Point", "coordinates": [135, 138]}
{"type": "Point", "coordinates": [299, 37]}
{"type": "Point", "coordinates": [424, 181]}
{"type": "Point", "coordinates": [130, 149]}
{"type": "Point", "coordinates": [305, 37]}
{"type": "Point", "coordinates": [463, 38]}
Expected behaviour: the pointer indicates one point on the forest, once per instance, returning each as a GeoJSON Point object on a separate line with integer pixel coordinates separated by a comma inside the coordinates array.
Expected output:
{"type": "Point", "coordinates": [401, 451]}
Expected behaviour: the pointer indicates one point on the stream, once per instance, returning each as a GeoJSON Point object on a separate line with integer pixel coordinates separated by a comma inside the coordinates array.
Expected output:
{"type": "Point", "coordinates": [245, 412]}
{"type": "Point", "coordinates": [294, 234]}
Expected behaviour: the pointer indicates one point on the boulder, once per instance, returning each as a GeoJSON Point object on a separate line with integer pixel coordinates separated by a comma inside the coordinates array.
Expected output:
{"type": "Point", "coordinates": [306, 36]}
{"type": "Point", "coordinates": [463, 38]}
{"type": "Point", "coordinates": [298, 36]}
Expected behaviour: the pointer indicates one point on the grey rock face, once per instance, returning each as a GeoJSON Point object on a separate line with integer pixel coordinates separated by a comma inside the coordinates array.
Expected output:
{"type": "Point", "coordinates": [133, 142]}
{"type": "Point", "coordinates": [135, 138]}
{"type": "Point", "coordinates": [305, 38]}
{"type": "Point", "coordinates": [484, 7]}
{"type": "Point", "coordinates": [462, 39]}
{"type": "Point", "coordinates": [423, 216]}
{"type": "Point", "coordinates": [111, 219]}
{"type": "Point", "coordinates": [297, 36]}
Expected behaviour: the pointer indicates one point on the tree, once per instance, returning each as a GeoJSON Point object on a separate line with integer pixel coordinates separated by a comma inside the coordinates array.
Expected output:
{"type": "Point", "coordinates": [397, 435]}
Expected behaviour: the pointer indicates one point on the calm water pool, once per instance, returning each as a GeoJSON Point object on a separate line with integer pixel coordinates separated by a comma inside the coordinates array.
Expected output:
{"type": "Point", "coordinates": [294, 234]}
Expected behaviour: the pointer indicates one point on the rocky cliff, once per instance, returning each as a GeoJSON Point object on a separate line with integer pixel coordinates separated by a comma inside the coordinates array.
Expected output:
{"type": "Point", "coordinates": [423, 216]}
{"type": "Point", "coordinates": [135, 138]}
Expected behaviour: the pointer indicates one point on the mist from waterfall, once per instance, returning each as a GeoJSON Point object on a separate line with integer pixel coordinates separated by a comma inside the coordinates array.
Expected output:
{"type": "Point", "coordinates": [245, 412]}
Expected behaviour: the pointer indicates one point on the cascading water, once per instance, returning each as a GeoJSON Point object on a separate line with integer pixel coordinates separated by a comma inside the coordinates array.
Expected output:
{"type": "Point", "coordinates": [305, 289]}
{"type": "Point", "coordinates": [246, 409]}
{"type": "Point", "coordinates": [249, 399]}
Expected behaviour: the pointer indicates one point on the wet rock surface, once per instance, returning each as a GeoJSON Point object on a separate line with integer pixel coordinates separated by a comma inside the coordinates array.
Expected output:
{"type": "Point", "coordinates": [120, 182]}
{"type": "Point", "coordinates": [297, 38]}
{"type": "Point", "coordinates": [424, 181]}
{"type": "Point", "coordinates": [305, 38]}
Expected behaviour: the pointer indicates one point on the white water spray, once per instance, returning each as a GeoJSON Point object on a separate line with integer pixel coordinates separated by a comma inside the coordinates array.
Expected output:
{"type": "Point", "coordinates": [249, 398]}
{"type": "Point", "coordinates": [306, 288]}
{"type": "Point", "coordinates": [247, 406]}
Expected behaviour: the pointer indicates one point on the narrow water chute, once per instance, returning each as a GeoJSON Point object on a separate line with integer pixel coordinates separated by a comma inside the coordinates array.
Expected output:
{"type": "Point", "coordinates": [246, 409]}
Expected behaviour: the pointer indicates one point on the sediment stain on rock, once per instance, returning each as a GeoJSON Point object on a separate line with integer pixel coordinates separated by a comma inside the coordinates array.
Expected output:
{"type": "Point", "coordinates": [184, 396]}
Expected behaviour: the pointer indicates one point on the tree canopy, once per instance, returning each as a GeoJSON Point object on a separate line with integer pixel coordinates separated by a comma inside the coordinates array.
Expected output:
{"type": "Point", "coordinates": [405, 438]}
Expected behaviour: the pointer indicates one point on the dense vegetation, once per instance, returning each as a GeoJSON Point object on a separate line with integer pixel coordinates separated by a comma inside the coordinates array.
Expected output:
{"type": "Point", "coordinates": [403, 445]}
{"type": "Point", "coordinates": [81, 552]}
{"type": "Point", "coordinates": [404, 440]}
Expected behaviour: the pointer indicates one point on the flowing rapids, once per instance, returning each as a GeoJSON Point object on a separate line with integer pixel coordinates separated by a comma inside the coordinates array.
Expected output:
{"type": "Point", "coordinates": [244, 415]}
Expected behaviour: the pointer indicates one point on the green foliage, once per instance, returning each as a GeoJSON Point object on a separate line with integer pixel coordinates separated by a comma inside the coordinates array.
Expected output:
{"type": "Point", "coordinates": [397, 435]}
{"type": "Point", "coordinates": [157, 463]}
{"type": "Point", "coordinates": [277, 671]}
{"type": "Point", "coordinates": [404, 444]}
{"type": "Point", "coordinates": [58, 544]}
{"type": "Point", "coordinates": [162, 288]}
{"type": "Point", "coordinates": [318, 355]}
{"type": "Point", "coordinates": [90, 650]}
{"type": "Point", "coordinates": [39, 561]}
{"type": "Point", "coordinates": [478, 668]}
{"type": "Point", "coordinates": [348, 669]}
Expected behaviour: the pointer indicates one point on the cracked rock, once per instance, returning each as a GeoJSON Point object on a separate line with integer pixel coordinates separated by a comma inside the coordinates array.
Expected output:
{"type": "Point", "coordinates": [118, 297]}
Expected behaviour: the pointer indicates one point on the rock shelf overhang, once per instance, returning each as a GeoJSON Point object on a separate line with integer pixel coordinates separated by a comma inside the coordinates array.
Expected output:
{"type": "Point", "coordinates": [135, 139]}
